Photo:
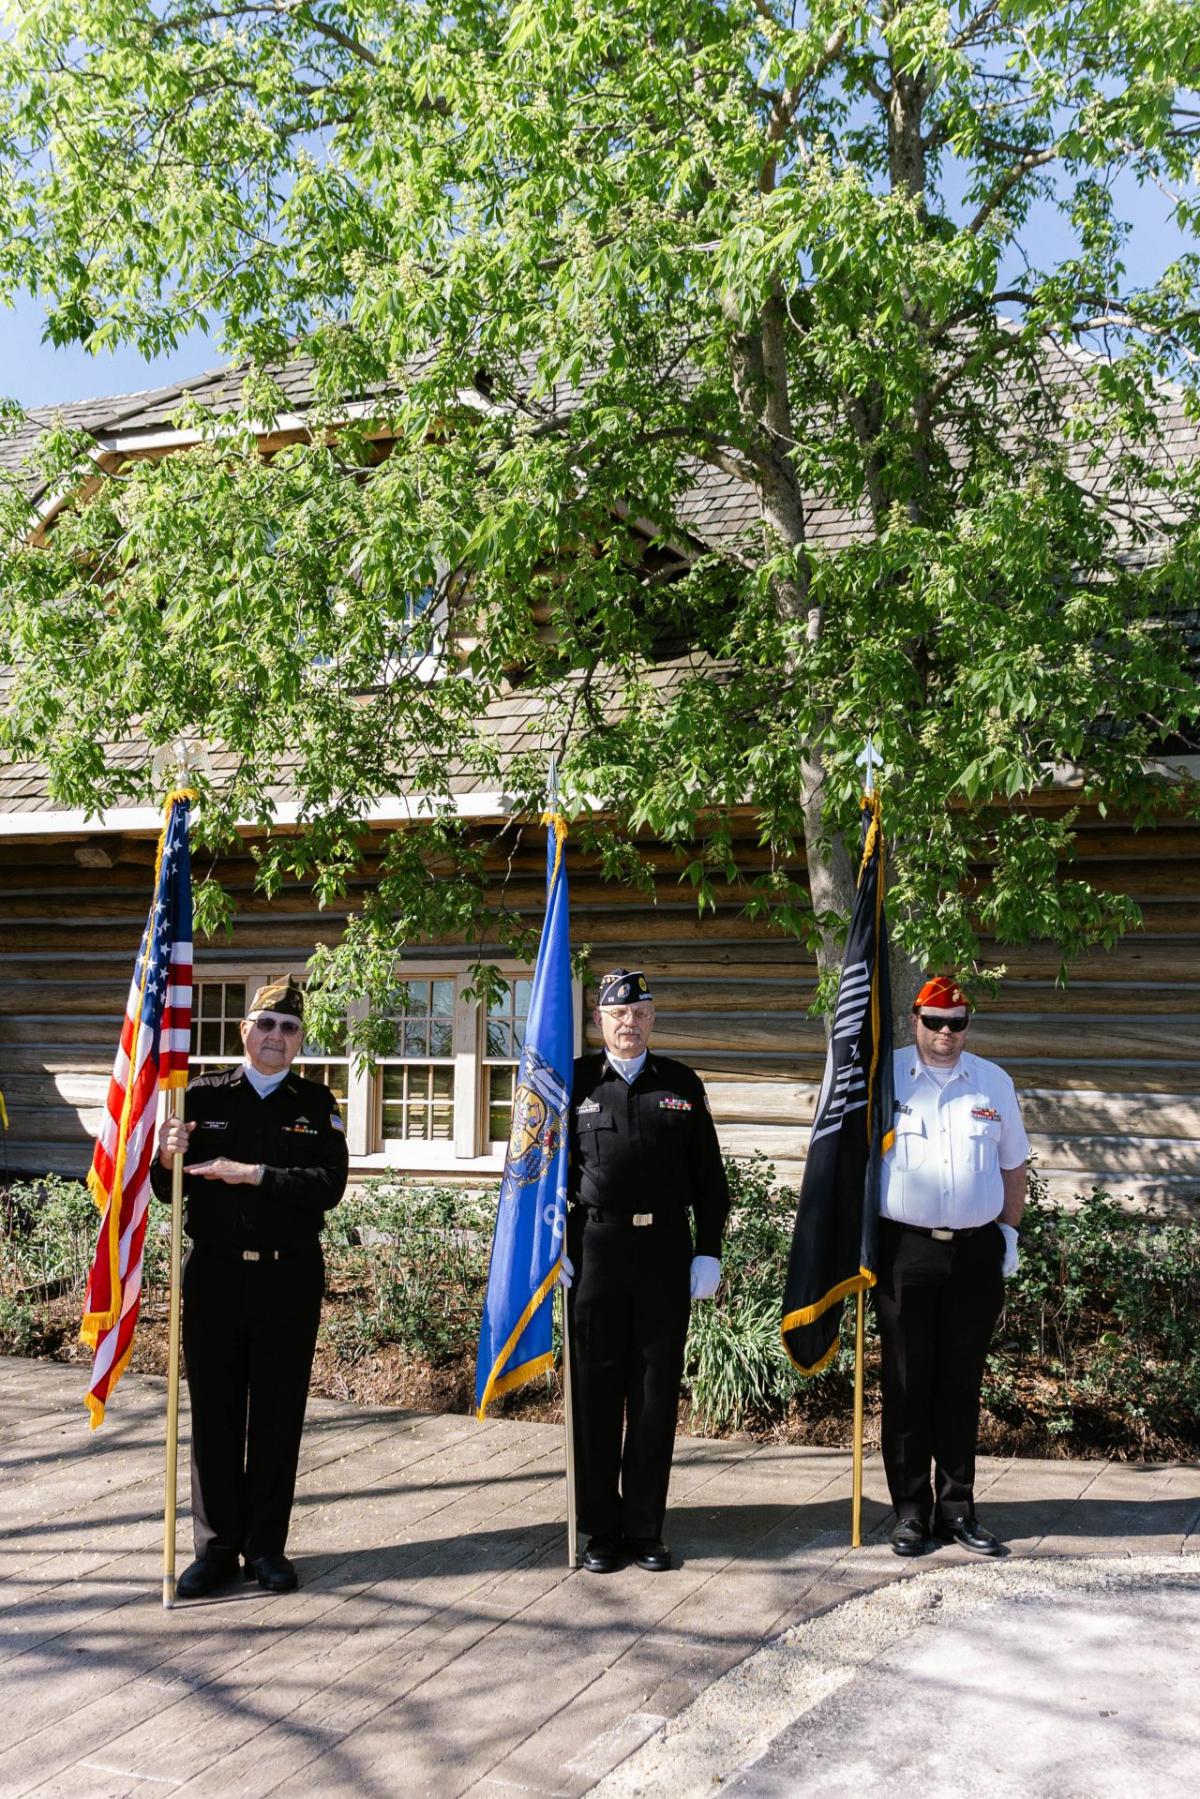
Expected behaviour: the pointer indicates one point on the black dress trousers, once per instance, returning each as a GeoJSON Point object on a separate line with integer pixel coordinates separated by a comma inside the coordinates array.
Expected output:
{"type": "Point", "coordinates": [249, 1332]}
{"type": "Point", "coordinates": [937, 1304]}
{"type": "Point", "coordinates": [629, 1321]}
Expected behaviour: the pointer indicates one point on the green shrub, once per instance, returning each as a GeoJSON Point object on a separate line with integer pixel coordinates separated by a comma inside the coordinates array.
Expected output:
{"type": "Point", "coordinates": [736, 1371]}
{"type": "Point", "coordinates": [411, 1263]}
{"type": "Point", "coordinates": [1107, 1302]}
{"type": "Point", "coordinates": [47, 1236]}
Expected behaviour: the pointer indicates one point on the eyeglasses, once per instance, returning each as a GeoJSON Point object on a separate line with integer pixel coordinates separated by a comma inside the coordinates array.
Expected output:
{"type": "Point", "coordinates": [621, 1013]}
{"type": "Point", "coordinates": [943, 1024]}
{"type": "Point", "coordinates": [287, 1027]}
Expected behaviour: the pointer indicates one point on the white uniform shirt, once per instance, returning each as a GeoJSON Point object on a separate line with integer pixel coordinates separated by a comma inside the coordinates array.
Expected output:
{"type": "Point", "coordinates": [951, 1143]}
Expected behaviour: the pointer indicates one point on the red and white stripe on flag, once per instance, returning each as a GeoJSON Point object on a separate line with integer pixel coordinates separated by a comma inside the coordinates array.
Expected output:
{"type": "Point", "coordinates": [152, 1053]}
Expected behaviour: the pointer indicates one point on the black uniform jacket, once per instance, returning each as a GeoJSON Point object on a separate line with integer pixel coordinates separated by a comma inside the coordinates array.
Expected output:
{"type": "Point", "coordinates": [646, 1145]}
{"type": "Point", "coordinates": [296, 1132]}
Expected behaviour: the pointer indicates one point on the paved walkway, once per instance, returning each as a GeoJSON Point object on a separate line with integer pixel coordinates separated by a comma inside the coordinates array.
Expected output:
{"type": "Point", "coordinates": [438, 1644]}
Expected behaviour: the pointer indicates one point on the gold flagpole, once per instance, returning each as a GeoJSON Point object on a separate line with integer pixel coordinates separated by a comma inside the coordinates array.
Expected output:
{"type": "Point", "coordinates": [569, 1428]}
{"type": "Point", "coordinates": [175, 1110]}
{"type": "Point", "coordinates": [860, 1306]}
{"type": "Point", "coordinates": [568, 1409]}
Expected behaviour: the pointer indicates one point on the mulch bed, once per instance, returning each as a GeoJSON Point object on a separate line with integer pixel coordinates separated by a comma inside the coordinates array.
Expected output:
{"type": "Point", "coordinates": [819, 1415]}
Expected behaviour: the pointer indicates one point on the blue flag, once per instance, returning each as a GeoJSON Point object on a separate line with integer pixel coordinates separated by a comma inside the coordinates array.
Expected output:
{"type": "Point", "coordinates": [515, 1336]}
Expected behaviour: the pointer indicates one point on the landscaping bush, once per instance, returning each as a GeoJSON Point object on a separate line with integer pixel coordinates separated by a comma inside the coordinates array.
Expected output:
{"type": "Point", "coordinates": [1096, 1351]}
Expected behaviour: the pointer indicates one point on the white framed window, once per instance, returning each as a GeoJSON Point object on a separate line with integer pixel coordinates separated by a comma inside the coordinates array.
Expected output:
{"type": "Point", "coordinates": [415, 1096]}
{"type": "Point", "coordinates": [504, 1039]}
{"type": "Point", "coordinates": [218, 1007]}
{"type": "Point", "coordinates": [441, 1102]}
{"type": "Point", "coordinates": [328, 1063]}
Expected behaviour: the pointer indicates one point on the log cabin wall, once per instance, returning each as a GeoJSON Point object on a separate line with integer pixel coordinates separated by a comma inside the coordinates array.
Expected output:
{"type": "Point", "coordinates": [1108, 1068]}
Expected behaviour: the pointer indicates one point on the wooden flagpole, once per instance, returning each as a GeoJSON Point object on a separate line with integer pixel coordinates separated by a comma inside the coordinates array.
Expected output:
{"type": "Point", "coordinates": [569, 1428]}
{"type": "Point", "coordinates": [870, 760]}
{"type": "Point", "coordinates": [860, 1307]}
{"type": "Point", "coordinates": [174, 1110]}
{"type": "Point", "coordinates": [568, 1406]}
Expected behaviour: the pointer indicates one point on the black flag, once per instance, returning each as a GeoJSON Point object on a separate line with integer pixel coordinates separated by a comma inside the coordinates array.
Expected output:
{"type": "Point", "coordinates": [833, 1244]}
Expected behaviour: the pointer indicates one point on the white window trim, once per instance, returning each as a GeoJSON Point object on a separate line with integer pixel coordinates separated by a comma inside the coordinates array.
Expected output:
{"type": "Point", "coordinates": [470, 1152]}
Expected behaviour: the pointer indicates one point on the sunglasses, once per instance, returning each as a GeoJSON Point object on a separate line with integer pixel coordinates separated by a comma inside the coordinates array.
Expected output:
{"type": "Point", "coordinates": [943, 1024]}
{"type": "Point", "coordinates": [286, 1026]}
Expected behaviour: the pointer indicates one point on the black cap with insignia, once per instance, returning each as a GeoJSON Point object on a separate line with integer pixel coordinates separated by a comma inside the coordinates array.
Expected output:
{"type": "Point", "coordinates": [623, 987]}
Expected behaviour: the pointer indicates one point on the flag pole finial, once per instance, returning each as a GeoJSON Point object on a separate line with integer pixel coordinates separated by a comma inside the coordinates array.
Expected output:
{"type": "Point", "coordinates": [869, 761]}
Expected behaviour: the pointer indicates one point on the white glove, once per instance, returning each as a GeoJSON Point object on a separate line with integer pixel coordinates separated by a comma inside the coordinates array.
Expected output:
{"type": "Point", "coordinates": [706, 1276]}
{"type": "Point", "coordinates": [1011, 1258]}
{"type": "Point", "coordinates": [566, 1272]}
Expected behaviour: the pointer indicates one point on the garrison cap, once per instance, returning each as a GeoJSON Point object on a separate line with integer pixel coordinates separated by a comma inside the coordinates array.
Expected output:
{"type": "Point", "coordinates": [623, 987]}
{"type": "Point", "coordinates": [285, 997]}
{"type": "Point", "coordinates": [942, 992]}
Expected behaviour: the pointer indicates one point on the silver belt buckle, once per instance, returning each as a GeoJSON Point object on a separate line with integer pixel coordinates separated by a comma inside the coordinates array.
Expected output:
{"type": "Point", "coordinates": [251, 1255]}
{"type": "Point", "coordinates": [643, 1218]}
{"type": "Point", "coordinates": [943, 1236]}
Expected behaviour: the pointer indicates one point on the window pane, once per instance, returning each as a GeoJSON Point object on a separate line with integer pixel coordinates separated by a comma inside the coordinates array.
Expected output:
{"type": "Point", "coordinates": [499, 1039]}
{"type": "Point", "coordinates": [417, 1101]}
{"type": "Point", "coordinates": [210, 1039]}
{"type": "Point", "coordinates": [522, 990]}
{"type": "Point", "coordinates": [416, 1039]}
{"type": "Point", "coordinates": [441, 1038]}
{"type": "Point", "coordinates": [232, 1041]}
{"type": "Point", "coordinates": [443, 999]}
{"type": "Point", "coordinates": [330, 1074]}
{"type": "Point", "coordinates": [500, 1083]}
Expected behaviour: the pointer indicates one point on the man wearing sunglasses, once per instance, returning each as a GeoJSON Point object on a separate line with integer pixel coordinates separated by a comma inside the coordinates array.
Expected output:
{"type": "Point", "coordinates": [264, 1160]}
{"type": "Point", "coordinates": [646, 1171]}
{"type": "Point", "coordinates": [951, 1198]}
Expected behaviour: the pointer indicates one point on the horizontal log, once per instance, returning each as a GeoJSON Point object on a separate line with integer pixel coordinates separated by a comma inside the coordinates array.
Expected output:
{"type": "Point", "coordinates": [776, 1142]}
{"type": "Point", "coordinates": [996, 1038]}
{"type": "Point", "coordinates": [1117, 1154]}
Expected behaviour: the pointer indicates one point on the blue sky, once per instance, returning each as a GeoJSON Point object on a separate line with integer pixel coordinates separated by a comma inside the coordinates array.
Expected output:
{"type": "Point", "coordinates": [37, 374]}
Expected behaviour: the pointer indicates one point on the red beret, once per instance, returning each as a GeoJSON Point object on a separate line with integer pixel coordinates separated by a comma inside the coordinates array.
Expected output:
{"type": "Point", "coordinates": [941, 992]}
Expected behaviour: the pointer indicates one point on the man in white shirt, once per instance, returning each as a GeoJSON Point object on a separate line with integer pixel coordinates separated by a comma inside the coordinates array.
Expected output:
{"type": "Point", "coordinates": [951, 1198]}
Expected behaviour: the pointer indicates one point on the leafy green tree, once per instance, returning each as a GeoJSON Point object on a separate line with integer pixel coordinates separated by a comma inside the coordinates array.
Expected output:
{"type": "Point", "coordinates": [564, 256]}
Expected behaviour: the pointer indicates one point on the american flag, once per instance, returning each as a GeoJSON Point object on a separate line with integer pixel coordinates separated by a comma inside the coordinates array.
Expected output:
{"type": "Point", "coordinates": [153, 1053]}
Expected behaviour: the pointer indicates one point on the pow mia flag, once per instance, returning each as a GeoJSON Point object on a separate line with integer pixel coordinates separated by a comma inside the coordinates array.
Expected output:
{"type": "Point", "coordinates": [833, 1244]}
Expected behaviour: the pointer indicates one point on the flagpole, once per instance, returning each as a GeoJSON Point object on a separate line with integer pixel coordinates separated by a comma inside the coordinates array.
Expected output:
{"type": "Point", "coordinates": [175, 1104]}
{"type": "Point", "coordinates": [569, 1428]}
{"type": "Point", "coordinates": [860, 1307]}
{"type": "Point", "coordinates": [871, 760]}
{"type": "Point", "coordinates": [568, 1404]}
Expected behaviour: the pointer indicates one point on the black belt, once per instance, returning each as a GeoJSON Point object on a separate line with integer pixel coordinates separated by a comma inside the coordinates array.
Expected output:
{"type": "Point", "coordinates": [595, 1215]}
{"type": "Point", "coordinates": [943, 1235]}
{"type": "Point", "coordinates": [256, 1255]}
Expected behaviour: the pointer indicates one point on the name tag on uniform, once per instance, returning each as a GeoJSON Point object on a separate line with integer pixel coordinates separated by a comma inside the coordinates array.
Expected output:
{"type": "Point", "coordinates": [672, 1103]}
{"type": "Point", "coordinates": [987, 1112]}
{"type": "Point", "coordinates": [212, 1124]}
{"type": "Point", "coordinates": [589, 1105]}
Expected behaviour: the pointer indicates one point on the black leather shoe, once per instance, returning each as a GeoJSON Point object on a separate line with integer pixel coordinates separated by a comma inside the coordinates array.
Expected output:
{"type": "Point", "coordinates": [909, 1537]}
{"type": "Point", "coordinates": [968, 1533]}
{"type": "Point", "coordinates": [206, 1575]}
{"type": "Point", "coordinates": [274, 1574]}
{"type": "Point", "coordinates": [602, 1555]}
{"type": "Point", "coordinates": [649, 1552]}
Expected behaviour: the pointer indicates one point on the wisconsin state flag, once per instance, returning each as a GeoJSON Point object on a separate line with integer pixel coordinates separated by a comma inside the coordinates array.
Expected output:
{"type": "Point", "coordinates": [833, 1244]}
